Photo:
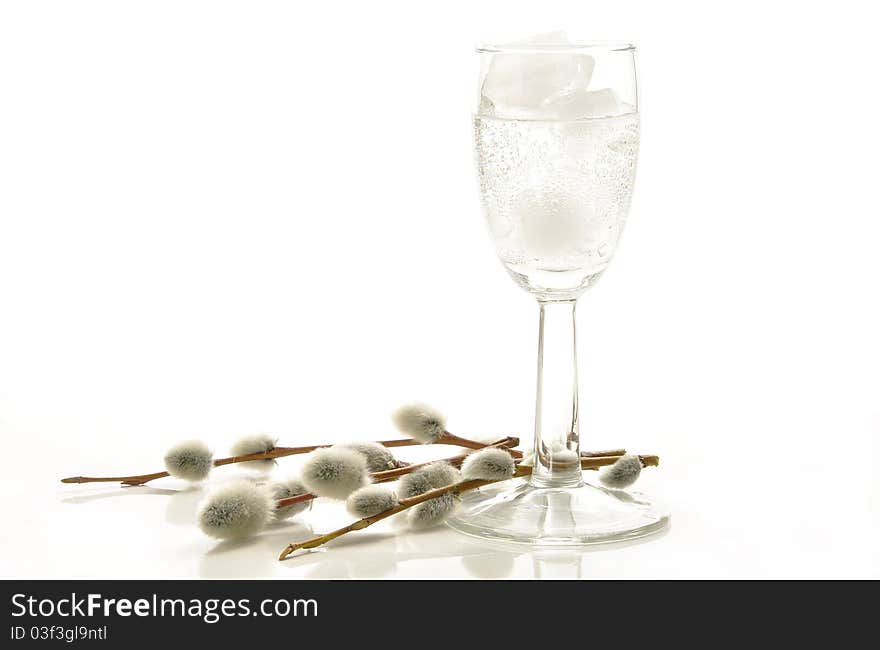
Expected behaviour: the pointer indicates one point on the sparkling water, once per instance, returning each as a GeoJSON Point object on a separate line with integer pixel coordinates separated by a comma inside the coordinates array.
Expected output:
{"type": "Point", "coordinates": [556, 196]}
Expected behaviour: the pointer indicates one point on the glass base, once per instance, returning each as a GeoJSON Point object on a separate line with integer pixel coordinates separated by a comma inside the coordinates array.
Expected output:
{"type": "Point", "coordinates": [517, 511]}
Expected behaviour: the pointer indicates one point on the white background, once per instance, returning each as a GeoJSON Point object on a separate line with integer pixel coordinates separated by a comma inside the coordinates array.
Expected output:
{"type": "Point", "coordinates": [218, 218]}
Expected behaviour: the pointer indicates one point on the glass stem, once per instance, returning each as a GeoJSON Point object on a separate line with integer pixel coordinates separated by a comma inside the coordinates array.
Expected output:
{"type": "Point", "coordinates": [557, 439]}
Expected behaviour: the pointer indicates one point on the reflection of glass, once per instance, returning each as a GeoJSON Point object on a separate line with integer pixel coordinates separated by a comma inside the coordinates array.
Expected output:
{"type": "Point", "coordinates": [557, 565]}
{"type": "Point", "coordinates": [557, 136]}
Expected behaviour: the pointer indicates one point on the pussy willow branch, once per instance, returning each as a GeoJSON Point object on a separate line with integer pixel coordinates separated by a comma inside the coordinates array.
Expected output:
{"type": "Point", "coordinates": [393, 474]}
{"type": "Point", "coordinates": [279, 452]}
{"type": "Point", "coordinates": [457, 488]}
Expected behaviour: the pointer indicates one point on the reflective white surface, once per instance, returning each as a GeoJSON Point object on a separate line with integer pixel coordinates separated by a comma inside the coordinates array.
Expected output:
{"type": "Point", "coordinates": [726, 524]}
{"type": "Point", "coordinates": [238, 235]}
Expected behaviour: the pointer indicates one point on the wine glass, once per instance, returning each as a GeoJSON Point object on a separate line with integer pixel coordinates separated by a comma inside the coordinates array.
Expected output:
{"type": "Point", "coordinates": [557, 137]}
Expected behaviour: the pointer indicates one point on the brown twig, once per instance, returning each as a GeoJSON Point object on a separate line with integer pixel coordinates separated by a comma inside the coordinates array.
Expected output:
{"type": "Point", "coordinates": [458, 488]}
{"type": "Point", "coordinates": [447, 438]}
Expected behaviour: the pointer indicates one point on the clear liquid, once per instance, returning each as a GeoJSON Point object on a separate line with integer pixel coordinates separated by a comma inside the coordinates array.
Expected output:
{"type": "Point", "coordinates": [556, 196]}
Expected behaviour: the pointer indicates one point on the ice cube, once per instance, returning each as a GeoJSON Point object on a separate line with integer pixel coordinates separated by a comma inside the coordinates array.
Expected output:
{"type": "Point", "coordinates": [552, 226]}
{"type": "Point", "coordinates": [517, 85]}
{"type": "Point", "coordinates": [579, 103]}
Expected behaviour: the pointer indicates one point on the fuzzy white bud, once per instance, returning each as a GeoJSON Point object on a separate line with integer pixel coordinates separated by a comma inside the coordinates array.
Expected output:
{"type": "Point", "coordinates": [236, 510]}
{"type": "Point", "coordinates": [420, 422]}
{"type": "Point", "coordinates": [432, 511]}
{"type": "Point", "coordinates": [259, 443]}
{"type": "Point", "coordinates": [190, 460]}
{"type": "Point", "coordinates": [334, 472]}
{"type": "Point", "coordinates": [564, 456]}
{"type": "Point", "coordinates": [622, 473]}
{"type": "Point", "coordinates": [370, 500]}
{"type": "Point", "coordinates": [488, 465]}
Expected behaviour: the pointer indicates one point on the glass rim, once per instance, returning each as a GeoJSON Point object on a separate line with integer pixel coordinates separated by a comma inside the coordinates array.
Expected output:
{"type": "Point", "coordinates": [540, 48]}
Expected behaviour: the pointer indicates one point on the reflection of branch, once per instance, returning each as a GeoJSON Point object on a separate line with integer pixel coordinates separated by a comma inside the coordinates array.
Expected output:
{"type": "Point", "coordinates": [457, 488]}
{"type": "Point", "coordinates": [385, 554]}
{"type": "Point", "coordinates": [279, 452]}
{"type": "Point", "coordinates": [85, 498]}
